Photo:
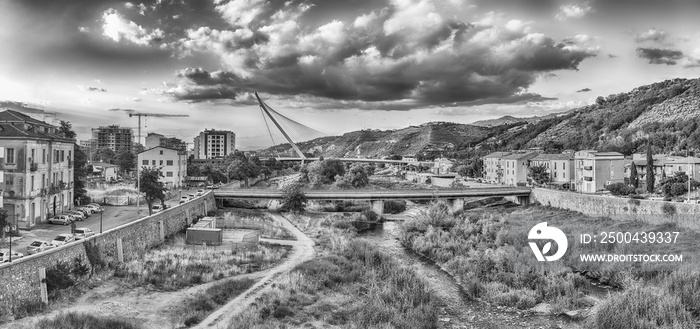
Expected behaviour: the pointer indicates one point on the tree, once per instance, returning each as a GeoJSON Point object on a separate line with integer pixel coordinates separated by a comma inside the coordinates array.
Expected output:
{"type": "Point", "coordinates": [104, 154]}
{"type": "Point", "coordinates": [618, 189]}
{"type": "Point", "coordinates": [539, 174]}
{"type": "Point", "coordinates": [357, 176]}
{"type": "Point", "coordinates": [152, 187]}
{"type": "Point", "coordinates": [3, 221]}
{"type": "Point", "coordinates": [294, 198]}
{"type": "Point", "coordinates": [634, 178]}
{"type": "Point", "coordinates": [126, 161]}
{"type": "Point", "coordinates": [80, 173]}
{"type": "Point", "coordinates": [66, 129]}
{"type": "Point", "coordinates": [650, 169]}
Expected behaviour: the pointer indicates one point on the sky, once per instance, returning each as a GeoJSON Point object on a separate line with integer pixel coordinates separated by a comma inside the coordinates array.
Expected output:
{"type": "Point", "coordinates": [332, 65]}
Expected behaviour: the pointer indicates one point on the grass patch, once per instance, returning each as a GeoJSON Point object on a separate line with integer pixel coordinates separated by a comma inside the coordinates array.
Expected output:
{"type": "Point", "coordinates": [268, 227]}
{"type": "Point", "coordinates": [78, 320]}
{"type": "Point", "coordinates": [644, 308]}
{"type": "Point", "coordinates": [195, 309]}
{"type": "Point", "coordinates": [353, 286]}
{"type": "Point", "coordinates": [174, 265]}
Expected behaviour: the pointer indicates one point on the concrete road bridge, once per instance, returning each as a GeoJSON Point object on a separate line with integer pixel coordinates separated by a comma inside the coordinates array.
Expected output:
{"type": "Point", "coordinates": [454, 197]}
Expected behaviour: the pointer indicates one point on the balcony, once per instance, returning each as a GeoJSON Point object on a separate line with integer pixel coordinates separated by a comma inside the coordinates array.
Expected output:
{"type": "Point", "coordinates": [54, 189]}
{"type": "Point", "coordinates": [588, 179]}
{"type": "Point", "coordinates": [587, 167]}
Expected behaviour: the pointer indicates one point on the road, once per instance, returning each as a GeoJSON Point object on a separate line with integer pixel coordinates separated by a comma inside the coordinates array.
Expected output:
{"type": "Point", "coordinates": [112, 217]}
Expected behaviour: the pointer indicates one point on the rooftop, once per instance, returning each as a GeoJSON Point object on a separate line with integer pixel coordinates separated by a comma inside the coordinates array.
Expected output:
{"type": "Point", "coordinates": [497, 155]}
{"type": "Point", "coordinates": [546, 157]}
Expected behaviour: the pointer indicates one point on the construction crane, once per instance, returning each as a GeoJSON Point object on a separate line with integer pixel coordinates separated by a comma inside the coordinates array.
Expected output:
{"type": "Point", "coordinates": [138, 171]}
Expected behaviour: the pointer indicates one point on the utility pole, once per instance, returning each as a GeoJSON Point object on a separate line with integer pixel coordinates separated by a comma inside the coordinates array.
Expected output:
{"type": "Point", "coordinates": [138, 167]}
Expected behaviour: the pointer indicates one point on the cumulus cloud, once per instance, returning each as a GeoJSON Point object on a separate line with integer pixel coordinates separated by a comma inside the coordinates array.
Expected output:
{"type": "Point", "coordinates": [653, 35]}
{"type": "Point", "coordinates": [88, 88]}
{"type": "Point", "coordinates": [117, 27]}
{"type": "Point", "coordinates": [402, 57]}
{"type": "Point", "coordinates": [573, 11]}
{"type": "Point", "coordinates": [692, 59]}
{"type": "Point", "coordinates": [660, 56]}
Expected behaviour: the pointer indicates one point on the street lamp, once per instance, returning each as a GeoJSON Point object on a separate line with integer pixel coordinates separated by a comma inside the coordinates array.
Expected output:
{"type": "Point", "coordinates": [8, 229]}
{"type": "Point", "coordinates": [101, 212]}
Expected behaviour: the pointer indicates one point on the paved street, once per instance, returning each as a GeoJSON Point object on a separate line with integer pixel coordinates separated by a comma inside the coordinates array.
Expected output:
{"type": "Point", "coordinates": [112, 217]}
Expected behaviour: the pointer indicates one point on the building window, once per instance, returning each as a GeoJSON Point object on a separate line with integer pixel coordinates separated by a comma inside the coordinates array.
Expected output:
{"type": "Point", "coordinates": [563, 165]}
{"type": "Point", "coordinates": [555, 166]}
{"type": "Point", "coordinates": [32, 158]}
{"type": "Point", "coordinates": [169, 174]}
{"type": "Point", "coordinates": [153, 162]}
{"type": "Point", "coordinates": [169, 162]}
{"type": "Point", "coordinates": [63, 156]}
{"type": "Point", "coordinates": [31, 188]}
{"type": "Point", "coordinates": [145, 162]}
{"type": "Point", "coordinates": [43, 180]}
{"type": "Point", "coordinates": [161, 152]}
{"type": "Point", "coordinates": [10, 155]}
{"type": "Point", "coordinates": [160, 163]}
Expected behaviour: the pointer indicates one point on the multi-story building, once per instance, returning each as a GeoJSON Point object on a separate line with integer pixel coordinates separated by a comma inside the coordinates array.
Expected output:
{"type": "Point", "coordinates": [688, 165]}
{"type": "Point", "coordinates": [595, 170]}
{"type": "Point", "coordinates": [89, 147]}
{"type": "Point", "coordinates": [153, 140]}
{"type": "Point", "coordinates": [171, 162]}
{"type": "Point", "coordinates": [113, 137]}
{"type": "Point", "coordinates": [516, 167]}
{"type": "Point", "coordinates": [212, 144]}
{"type": "Point", "coordinates": [38, 169]}
{"type": "Point", "coordinates": [560, 167]}
{"type": "Point", "coordinates": [442, 166]}
{"type": "Point", "coordinates": [493, 167]}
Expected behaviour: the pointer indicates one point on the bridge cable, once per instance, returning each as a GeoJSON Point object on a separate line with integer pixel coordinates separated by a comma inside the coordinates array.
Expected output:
{"type": "Point", "coordinates": [274, 145]}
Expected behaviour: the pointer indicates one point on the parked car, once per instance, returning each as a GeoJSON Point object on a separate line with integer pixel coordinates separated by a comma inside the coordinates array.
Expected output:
{"type": "Point", "coordinates": [190, 197]}
{"type": "Point", "coordinates": [62, 239]}
{"type": "Point", "coordinates": [200, 192]}
{"type": "Point", "coordinates": [95, 208]}
{"type": "Point", "coordinates": [156, 208]}
{"type": "Point", "coordinates": [39, 246]}
{"type": "Point", "coordinates": [5, 255]}
{"type": "Point", "coordinates": [85, 210]}
{"type": "Point", "coordinates": [79, 215]}
{"type": "Point", "coordinates": [60, 219]}
{"type": "Point", "coordinates": [82, 233]}
{"type": "Point", "coordinates": [210, 187]}
{"type": "Point", "coordinates": [184, 199]}
{"type": "Point", "coordinates": [70, 216]}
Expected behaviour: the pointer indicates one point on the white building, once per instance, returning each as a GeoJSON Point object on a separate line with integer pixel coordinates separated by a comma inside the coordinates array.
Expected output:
{"type": "Point", "coordinates": [560, 167]}
{"type": "Point", "coordinates": [211, 144]}
{"type": "Point", "coordinates": [493, 167]}
{"type": "Point", "coordinates": [38, 169]}
{"type": "Point", "coordinates": [595, 170]}
{"type": "Point", "coordinates": [171, 162]}
{"type": "Point", "coordinates": [107, 171]}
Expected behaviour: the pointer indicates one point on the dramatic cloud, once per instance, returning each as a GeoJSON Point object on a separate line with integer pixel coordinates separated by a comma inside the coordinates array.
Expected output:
{"type": "Point", "coordinates": [87, 88]}
{"type": "Point", "coordinates": [21, 107]}
{"type": "Point", "coordinates": [660, 56]}
{"type": "Point", "coordinates": [573, 11]}
{"type": "Point", "coordinates": [116, 27]}
{"type": "Point", "coordinates": [652, 34]}
{"type": "Point", "coordinates": [693, 59]}
{"type": "Point", "coordinates": [584, 90]}
{"type": "Point", "coordinates": [407, 54]}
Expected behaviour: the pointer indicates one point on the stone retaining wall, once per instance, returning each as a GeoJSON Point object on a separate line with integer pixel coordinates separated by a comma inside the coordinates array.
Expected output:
{"type": "Point", "coordinates": [19, 280]}
{"type": "Point", "coordinates": [655, 212]}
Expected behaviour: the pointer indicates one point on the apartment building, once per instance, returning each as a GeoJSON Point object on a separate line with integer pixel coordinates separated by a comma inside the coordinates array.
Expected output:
{"type": "Point", "coordinates": [211, 144]}
{"type": "Point", "coordinates": [689, 165]}
{"type": "Point", "coordinates": [113, 137]}
{"type": "Point", "coordinates": [442, 166]}
{"type": "Point", "coordinates": [153, 140]}
{"type": "Point", "coordinates": [594, 170]}
{"type": "Point", "coordinates": [171, 162]}
{"type": "Point", "coordinates": [560, 167]}
{"type": "Point", "coordinates": [516, 167]}
{"type": "Point", "coordinates": [493, 167]}
{"type": "Point", "coordinates": [38, 169]}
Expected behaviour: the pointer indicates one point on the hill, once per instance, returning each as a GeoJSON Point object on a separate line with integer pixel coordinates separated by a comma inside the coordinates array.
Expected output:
{"type": "Point", "coordinates": [667, 113]}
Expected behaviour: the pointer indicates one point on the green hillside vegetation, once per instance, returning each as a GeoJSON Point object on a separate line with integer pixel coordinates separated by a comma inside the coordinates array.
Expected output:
{"type": "Point", "coordinates": [666, 112]}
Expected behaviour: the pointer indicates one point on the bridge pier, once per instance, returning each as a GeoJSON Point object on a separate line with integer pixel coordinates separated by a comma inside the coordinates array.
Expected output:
{"type": "Point", "coordinates": [377, 206]}
{"type": "Point", "coordinates": [456, 205]}
{"type": "Point", "coordinates": [521, 200]}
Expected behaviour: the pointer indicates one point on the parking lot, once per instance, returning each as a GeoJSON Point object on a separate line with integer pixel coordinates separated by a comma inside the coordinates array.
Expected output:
{"type": "Point", "coordinates": [112, 217]}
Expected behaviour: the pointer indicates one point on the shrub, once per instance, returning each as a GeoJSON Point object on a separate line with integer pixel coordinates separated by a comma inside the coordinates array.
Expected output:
{"type": "Point", "coordinates": [394, 206]}
{"type": "Point", "coordinates": [59, 278]}
{"type": "Point", "coordinates": [370, 215]}
{"type": "Point", "coordinates": [294, 198]}
{"type": "Point", "coordinates": [78, 320]}
{"type": "Point", "coordinates": [618, 189]}
{"type": "Point", "coordinates": [668, 209]}
{"type": "Point", "coordinates": [642, 308]}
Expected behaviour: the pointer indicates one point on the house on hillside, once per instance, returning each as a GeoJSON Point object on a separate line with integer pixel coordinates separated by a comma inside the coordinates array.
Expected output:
{"type": "Point", "coordinates": [442, 166]}
{"type": "Point", "coordinates": [516, 167]}
{"type": "Point", "coordinates": [493, 167]}
{"type": "Point", "coordinates": [106, 171]}
{"type": "Point", "coordinates": [595, 170]}
{"type": "Point", "coordinates": [560, 167]}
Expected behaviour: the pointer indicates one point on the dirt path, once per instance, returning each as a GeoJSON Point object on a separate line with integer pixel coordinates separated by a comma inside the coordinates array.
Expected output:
{"type": "Point", "coordinates": [303, 251]}
{"type": "Point", "coordinates": [155, 309]}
